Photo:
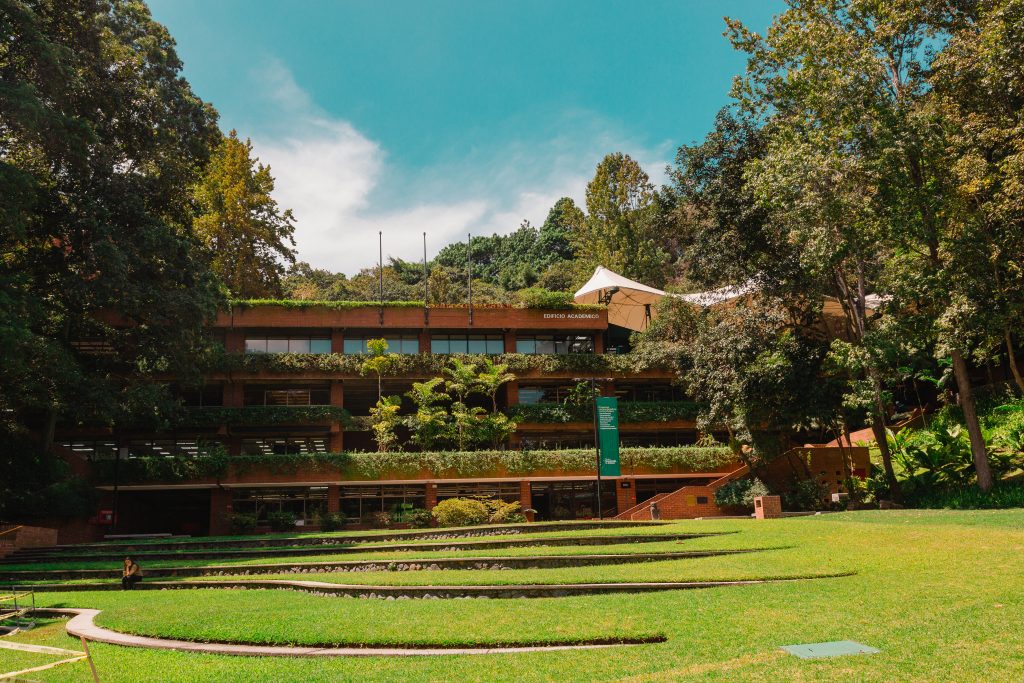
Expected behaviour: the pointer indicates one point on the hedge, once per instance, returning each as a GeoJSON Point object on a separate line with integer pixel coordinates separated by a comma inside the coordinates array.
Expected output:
{"type": "Point", "coordinates": [262, 415]}
{"type": "Point", "coordinates": [372, 465]}
{"type": "Point", "coordinates": [629, 411]}
{"type": "Point", "coordinates": [425, 364]}
{"type": "Point", "coordinates": [540, 299]}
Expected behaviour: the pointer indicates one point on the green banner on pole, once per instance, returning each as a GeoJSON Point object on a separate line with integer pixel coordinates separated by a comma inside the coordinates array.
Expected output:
{"type": "Point", "coordinates": [608, 435]}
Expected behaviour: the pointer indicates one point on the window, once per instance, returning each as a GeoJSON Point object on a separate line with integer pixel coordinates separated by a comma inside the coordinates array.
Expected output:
{"type": "Point", "coordinates": [283, 344]}
{"type": "Point", "coordinates": [301, 395]}
{"type": "Point", "coordinates": [557, 344]}
{"type": "Point", "coordinates": [543, 393]}
{"type": "Point", "coordinates": [403, 344]}
{"type": "Point", "coordinates": [284, 446]}
{"type": "Point", "coordinates": [304, 503]}
{"type": "Point", "coordinates": [467, 343]}
{"type": "Point", "coordinates": [360, 502]}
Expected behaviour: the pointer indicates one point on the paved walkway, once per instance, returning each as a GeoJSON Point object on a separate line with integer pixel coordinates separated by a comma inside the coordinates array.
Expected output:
{"type": "Point", "coordinates": [82, 625]}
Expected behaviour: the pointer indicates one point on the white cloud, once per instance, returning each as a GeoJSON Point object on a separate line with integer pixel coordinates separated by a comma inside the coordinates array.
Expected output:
{"type": "Point", "coordinates": [327, 172]}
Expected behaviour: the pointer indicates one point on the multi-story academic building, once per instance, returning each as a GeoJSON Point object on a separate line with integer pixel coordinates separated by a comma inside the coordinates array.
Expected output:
{"type": "Point", "coordinates": [290, 391]}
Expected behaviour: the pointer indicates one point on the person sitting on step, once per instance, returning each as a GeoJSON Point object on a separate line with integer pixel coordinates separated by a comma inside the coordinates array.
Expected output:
{"type": "Point", "coordinates": [131, 574]}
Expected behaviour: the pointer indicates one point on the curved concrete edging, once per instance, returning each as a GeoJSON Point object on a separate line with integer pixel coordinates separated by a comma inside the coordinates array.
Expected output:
{"type": "Point", "coordinates": [493, 591]}
{"type": "Point", "coordinates": [82, 625]}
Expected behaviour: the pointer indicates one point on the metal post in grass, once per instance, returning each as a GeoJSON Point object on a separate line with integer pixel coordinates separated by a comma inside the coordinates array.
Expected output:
{"type": "Point", "coordinates": [597, 445]}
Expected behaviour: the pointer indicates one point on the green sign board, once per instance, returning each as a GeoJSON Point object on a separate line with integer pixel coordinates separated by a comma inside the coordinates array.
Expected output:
{"type": "Point", "coordinates": [608, 435]}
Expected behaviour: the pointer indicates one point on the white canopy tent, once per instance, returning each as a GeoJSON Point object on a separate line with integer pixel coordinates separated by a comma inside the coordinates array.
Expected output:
{"type": "Point", "coordinates": [631, 304]}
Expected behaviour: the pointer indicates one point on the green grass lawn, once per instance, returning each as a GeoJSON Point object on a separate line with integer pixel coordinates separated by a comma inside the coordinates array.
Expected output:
{"type": "Point", "coordinates": [940, 593]}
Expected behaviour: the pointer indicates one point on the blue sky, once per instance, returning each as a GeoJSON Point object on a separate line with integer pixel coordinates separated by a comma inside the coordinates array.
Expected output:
{"type": "Point", "coordinates": [451, 117]}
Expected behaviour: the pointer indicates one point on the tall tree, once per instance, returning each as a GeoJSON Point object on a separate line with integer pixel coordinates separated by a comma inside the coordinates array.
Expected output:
{"type": "Point", "coordinates": [100, 137]}
{"type": "Point", "coordinates": [624, 228]}
{"type": "Point", "coordinates": [856, 169]}
{"type": "Point", "coordinates": [250, 237]}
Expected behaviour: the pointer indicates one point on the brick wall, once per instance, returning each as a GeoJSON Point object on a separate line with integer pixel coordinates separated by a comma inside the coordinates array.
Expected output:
{"type": "Point", "coordinates": [26, 537]}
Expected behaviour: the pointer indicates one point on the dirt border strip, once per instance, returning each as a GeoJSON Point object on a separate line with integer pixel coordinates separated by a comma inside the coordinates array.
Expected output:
{"type": "Point", "coordinates": [494, 591]}
{"type": "Point", "coordinates": [82, 625]}
{"type": "Point", "coordinates": [385, 564]}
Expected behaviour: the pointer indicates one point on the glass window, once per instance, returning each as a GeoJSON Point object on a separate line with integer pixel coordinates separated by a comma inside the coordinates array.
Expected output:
{"type": "Point", "coordinates": [531, 395]}
{"type": "Point", "coordinates": [277, 346]}
{"type": "Point", "coordinates": [354, 346]}
{"type": "Point", "coordinates": [462, 343]}
{"type": "Point", "coordinates": [405, 344]}
{"type": "Point", "coordinates": [555, 344]}
{"type": "Point", "coordinates": [298, 346]}
{"type": "Point", "coordinates": [319, 345]}
{"type": "Point", "coordinates": [255, 345]}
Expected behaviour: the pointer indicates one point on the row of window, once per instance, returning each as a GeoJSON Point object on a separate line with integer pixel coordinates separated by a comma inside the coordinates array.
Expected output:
{"type": "Point", "coordinates": [557, 344]}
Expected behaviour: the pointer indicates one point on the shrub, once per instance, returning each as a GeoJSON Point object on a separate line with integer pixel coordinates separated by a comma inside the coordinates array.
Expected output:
{"type": "Point", "coordinates": [380, 520]}
{"type": "Point", "coordinates": [281, 521]}
{"type": "Point", "coordinates": [505, 513]}
{"type": "Point", "coordinates": [242, 523]}
{"type": "Point", "coordinates": [806, 494]}
{"type": "Point", "coordinates": [419, 518]}
{"type": "Point", "coordinates": [460, 512]}
{"type": "Point", "coordinates": [740, 493]}
{"type": "Point", "coordinates": [1002, 495]}
{"type": "Point", "coordinates": [332, 521]}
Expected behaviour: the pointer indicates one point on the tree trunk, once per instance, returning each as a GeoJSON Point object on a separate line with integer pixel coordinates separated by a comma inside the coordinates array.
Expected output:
{"type": "Point", "coordinates": [878, 429]}
{"type": "Point", "coordinates": [1012, 357]}
{"type": "Point", "coordinates": [963, 383]}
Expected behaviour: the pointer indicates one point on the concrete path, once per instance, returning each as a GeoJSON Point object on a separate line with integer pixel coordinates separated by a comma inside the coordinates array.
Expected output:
{"type": "Point", "coordinates": [82, 625]}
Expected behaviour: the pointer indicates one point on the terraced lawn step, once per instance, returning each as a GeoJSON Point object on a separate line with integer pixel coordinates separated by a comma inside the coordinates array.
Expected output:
{"type": "Point", "coordinates": [367, 546]}
{"type": "Point", "coordinates": [82, 625]}
{"type": "Point", "coordinates": [440, 592]}
{"type": "Point", "coordinates": [334, 539]}
{"type": "Point", "coordinates": [417, 564]}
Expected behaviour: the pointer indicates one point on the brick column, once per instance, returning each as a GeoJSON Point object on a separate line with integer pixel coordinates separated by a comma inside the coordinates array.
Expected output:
{"type": "Point", "coordinates": [220, 512]}
{"type": "Point", "coordinates": [424, 341]}
{"type": "Point", "coordinates": [431, 496]}
{"type": "Point", "coordinates": [234, 341]}
{"type": "Point", "coordinates": [337, 341]}
{"type": "Point", "coordinates": [336, 440]}
{"type": "Point", "coordinates": [767, 507]}
{"type": "Point", "coordinates": [625, 498]}
{"type": "Point", "coordinates": [598, 342]}
{"type": "Point", "coordinates": [512, 393]}
{"type": "Point", "coordinates": [510, 341]}
{"type": "Point", "coordinates": [333, 498]}
{"type": "Point", "coordinates": [526, 498]}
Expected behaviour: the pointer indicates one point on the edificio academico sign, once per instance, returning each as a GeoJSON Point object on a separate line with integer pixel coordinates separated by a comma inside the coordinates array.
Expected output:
{"type": "Point", "coordinates": [572, 316]}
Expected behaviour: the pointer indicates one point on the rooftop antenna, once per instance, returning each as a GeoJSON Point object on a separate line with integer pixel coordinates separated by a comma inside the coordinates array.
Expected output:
{"type": "Point", "coordinates": [426, 285]}
{"type": "Point", "coordinates": [380, 271]}
{"type": "Point", "coordinates": [469, 252]}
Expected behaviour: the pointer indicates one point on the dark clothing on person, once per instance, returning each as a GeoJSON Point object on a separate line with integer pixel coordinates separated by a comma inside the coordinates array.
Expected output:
{"type": "Point", "coordinates": [131, 574]}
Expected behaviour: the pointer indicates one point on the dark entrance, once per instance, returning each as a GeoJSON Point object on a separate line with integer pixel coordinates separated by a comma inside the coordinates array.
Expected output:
{"type": "Point", "coordinates": [158, 512]}
{"type": "Point", "coordinates": [572, 499]}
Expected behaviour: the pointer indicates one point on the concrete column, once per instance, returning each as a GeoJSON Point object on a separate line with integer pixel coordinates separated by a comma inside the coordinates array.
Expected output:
{"type": "Point", "coordinates": [526, 498]}
{"type": "Point", "coordinates": [220, 512]}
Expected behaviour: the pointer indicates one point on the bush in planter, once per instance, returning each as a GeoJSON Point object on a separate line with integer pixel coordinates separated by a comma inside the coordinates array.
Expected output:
{"type": "Point", "coordinates": [505, 513]}
{"type": "Point", "coordinates": [242, 523]}
{"type": "Point", "coordinates": [380, 520]}
{"type": "Point", "coordinates": [460, 512]}
{"type": "Point", "coordinates": [740, 493]}
{"type": "Point", "coordinates": [420, 519]}
{"type": "Point", "coordinates": [332, 521]}
{"type": "Point", "coordinates": [281, 521]}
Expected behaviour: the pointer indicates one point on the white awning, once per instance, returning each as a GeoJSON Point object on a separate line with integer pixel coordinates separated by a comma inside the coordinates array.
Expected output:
{"type": "Point", "coordinates": [630, 303]}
